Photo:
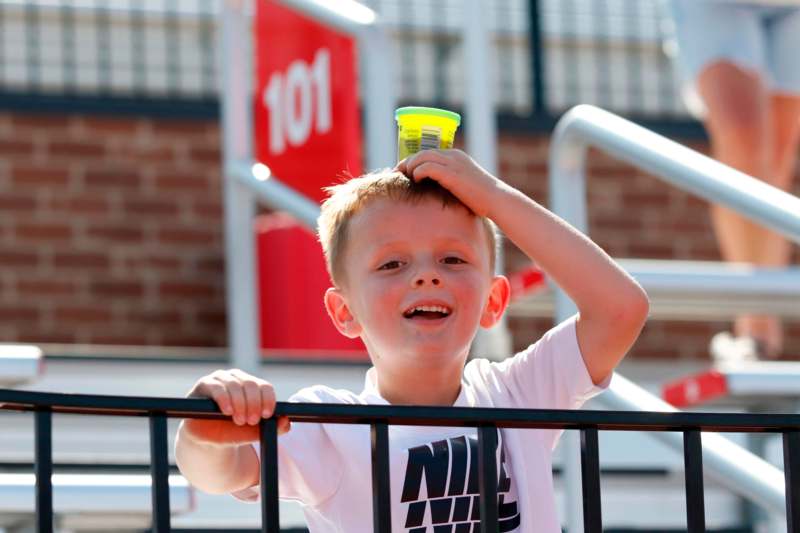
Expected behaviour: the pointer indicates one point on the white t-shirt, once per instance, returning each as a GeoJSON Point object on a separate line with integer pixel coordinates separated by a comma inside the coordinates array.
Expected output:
{"type": "Point", "coordinates": [433, 470]}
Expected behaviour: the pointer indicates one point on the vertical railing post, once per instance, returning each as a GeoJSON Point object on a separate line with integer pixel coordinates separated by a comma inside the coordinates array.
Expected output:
{"type": "Point", "coordinates": [270, 519]}
{"type": "Point", "coordinates": [44, 470]}
{"type": "Point", "coordinates": [159, 473]}
{"type": "Point", "coordinates": [791, 472]}
{"type": "Point", "coordinates": [487, 477]}
{"type": "Point", "coordinates": [381, 495]}
{"type": "Point", "coordinates": [590, 481]}
{"type": "Point", "coordinates": [537, 57]}
{"type": "Point", "coordinates": [693, 465]}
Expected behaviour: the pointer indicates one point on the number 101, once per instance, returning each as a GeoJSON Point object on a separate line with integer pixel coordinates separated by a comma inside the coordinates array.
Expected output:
{"type": "Point", "coordinates": [288, 98]}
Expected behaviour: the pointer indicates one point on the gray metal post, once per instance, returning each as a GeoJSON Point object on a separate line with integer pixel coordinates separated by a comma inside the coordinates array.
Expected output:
{"type": "Point", "coordinates": [563, 197]}
{"type": "Point", "coordinates": [481, 137]}
{"type": "Point", "coordinates": [236, 81]}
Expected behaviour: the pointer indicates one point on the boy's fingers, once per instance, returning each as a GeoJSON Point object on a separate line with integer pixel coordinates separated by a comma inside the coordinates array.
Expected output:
{"type": "Point", "coordinates": [428, 169]}
{"type": "Point", "coordinates": [284, 425]}
{"type": "Point", "coordinates": [401, 165]}
{"type": "Point", "coordinates": [267, 400]}
{"type": "Point", "coordinates": [252, 397]}
{"type": "Point", "coordinates": [220, 395]}
{"type": "Point", "coordinates": [238, 400]}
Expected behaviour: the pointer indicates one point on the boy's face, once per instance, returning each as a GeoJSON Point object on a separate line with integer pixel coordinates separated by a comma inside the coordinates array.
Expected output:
{"type": "Point", "coordinates": [418, 282]}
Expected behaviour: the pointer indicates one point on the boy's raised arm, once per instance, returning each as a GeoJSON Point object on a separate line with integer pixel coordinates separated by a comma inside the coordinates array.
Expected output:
{"type": "Point", "coordinates": [216, 455]}
{"type": "Point", "coordinates": [612, 306]}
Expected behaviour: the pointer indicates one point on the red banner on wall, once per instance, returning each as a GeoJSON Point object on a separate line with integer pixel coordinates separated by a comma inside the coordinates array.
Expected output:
{"type": "Point", "coordinates": [307, 131]}
{"type": "Point", "coordinates": [307, 122]}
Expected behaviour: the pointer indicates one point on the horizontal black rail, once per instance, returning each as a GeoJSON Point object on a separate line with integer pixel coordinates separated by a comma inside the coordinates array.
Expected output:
{"type": "Point", "coordinates": [379, 417]}
{"type": "Point", "coordinates": [402, 415]}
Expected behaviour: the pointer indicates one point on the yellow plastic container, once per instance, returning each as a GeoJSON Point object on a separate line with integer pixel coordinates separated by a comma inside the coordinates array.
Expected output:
{"type": "Point", "coordinates": [421, 128]}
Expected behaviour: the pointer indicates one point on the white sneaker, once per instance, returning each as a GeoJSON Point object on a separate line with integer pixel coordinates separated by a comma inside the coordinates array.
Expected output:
{"type": "Point", "coordinates": [726, 348]}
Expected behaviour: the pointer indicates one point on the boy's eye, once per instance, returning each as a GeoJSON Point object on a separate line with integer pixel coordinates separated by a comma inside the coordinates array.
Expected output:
{"type": "Point", "coordinates": [453, 260]}
{"type": "Point", "coordinates": [389, 265]}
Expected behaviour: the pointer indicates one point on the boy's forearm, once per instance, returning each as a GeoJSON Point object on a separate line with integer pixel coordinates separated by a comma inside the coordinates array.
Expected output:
{"type": "Point", "coordinates": [212, 468]}
{"type": "Point", "coordinates": [580, 267]}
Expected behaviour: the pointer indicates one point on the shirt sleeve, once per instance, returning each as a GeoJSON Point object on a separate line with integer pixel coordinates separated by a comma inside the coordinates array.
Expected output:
{"type": "Point", "coordinates": [549, 374]}
{"type": "Point", "coordinates": [308, 469]}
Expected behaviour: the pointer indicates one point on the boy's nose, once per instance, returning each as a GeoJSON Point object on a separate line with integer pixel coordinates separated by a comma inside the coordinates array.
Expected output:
{"type": "Point", "coordinates": [422, 280]}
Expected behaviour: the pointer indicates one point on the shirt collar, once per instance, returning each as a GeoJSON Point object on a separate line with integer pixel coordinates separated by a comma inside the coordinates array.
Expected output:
{"type": "Point", "coordinates": [371, 395]}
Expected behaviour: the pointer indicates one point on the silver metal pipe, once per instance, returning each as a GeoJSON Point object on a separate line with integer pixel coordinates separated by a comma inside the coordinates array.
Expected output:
{"type": "Point", "coordinates": [733, 466]}
{"type": "Point", "coordinates": [698, 290]}
{"type": "Point", "coordinates": [240, 207]}
{"type": "Point", "coordinates": [585, 126]}
{"type": "Point", "coordinates": [274, 194]}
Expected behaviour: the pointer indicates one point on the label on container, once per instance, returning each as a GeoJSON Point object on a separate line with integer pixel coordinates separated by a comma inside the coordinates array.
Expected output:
{"type": "Point", "coordinates": [430, 138]}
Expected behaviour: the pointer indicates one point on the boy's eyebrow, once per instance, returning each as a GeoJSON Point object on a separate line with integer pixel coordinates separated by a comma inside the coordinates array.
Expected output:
{"type": "Point", "coordinates": [379, 247]}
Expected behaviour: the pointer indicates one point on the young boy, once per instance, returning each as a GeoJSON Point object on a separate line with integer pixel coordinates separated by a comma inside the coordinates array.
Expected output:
{"type": "Point", "coordinates": [412, 262]}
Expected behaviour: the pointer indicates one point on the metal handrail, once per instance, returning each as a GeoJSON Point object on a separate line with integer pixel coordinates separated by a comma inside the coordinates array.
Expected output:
{"type": "Point", "coordinates": [587, 126]}
{"type": "Point", "coordinates": [379, 417]}
{"type": "Point", "coordinates": [705, 290]}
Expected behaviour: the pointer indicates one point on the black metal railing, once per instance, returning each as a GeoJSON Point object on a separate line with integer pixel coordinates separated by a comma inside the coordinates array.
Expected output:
{"type": "Point", "coordinates": [486, 420]}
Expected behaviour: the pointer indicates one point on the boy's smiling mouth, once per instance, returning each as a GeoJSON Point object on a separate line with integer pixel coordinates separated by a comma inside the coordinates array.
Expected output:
{"type": "Point", "coordinates": [427, 312]}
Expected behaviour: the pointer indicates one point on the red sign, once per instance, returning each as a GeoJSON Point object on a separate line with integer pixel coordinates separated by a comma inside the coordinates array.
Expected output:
{"type": "Point", "coordinates": [307, 122]}
{"type": "Point", "coordinates": [307, 131]}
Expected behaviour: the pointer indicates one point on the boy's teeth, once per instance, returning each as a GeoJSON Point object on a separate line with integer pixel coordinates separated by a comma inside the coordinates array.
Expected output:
{"type": "Point", "coordinates": [432, 309]}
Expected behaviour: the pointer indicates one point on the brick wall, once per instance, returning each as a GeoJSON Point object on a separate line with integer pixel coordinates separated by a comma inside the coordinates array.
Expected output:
{"type": "Point", "coordinates": [111, 232]}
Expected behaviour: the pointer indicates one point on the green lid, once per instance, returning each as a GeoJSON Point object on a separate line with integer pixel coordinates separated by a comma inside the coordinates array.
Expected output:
{"type": "Point", "coordinates": [414, 110]}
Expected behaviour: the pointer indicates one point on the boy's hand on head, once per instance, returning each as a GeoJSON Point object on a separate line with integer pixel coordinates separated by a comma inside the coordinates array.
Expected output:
{"type": "Point", "coordinates": [458, 173]}
{"type": "Point", "coordinates": [245, 398]}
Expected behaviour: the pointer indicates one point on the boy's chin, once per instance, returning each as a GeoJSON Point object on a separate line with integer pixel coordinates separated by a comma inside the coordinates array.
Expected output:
{"type": "Point", "coordinates": [432, 352]}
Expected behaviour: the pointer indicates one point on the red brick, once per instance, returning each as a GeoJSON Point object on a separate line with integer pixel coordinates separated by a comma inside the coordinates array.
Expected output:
{"type": "Point", "coordinates": [116, 288]}
{"type": "Point", "coordinates": [113, 177]}
{"type": "Point", "coordinates": [19, 258]}
{"type": "Point", "coordinates": [206, 155]}
{"type": "Point", "coordinates": [141, 152]}
{"type": "Point", "coordinates": [40, 335]}
{"type": "Point", "coordinates": [150, 317]}
{"type": "Point", "coordinates": [72, 259]}
{"type": "Point", "coordinates": [17, 202]}
{"type": "Point", "coordinates": [76, 149]}
{"type": "Point", "coordinates": [45, 287]}
{"type": "Point", "coordinates": [82, 204]}
{"type": "Point", "coordinates": [97, 124]}
{"type": "Point", "coordinates": [188, 236]}
{"type": "Point", "coordinates": [82, 314]}
{"type": "Point", "coordinates": [208, 209]}
{"type": "Point", "coordinates": [211, 265]}
{"type": "Point", "coordinates": [116, 232]}
{"type": "Point", "coordinates": [18, 313]}
{"type": "Point", "coordinates": [43, 231]}
{"type": "Point", "coordinates": [176, 181]}
{"type": "Point", "coordinates": [212, 318]}
{"type": "Point", "coordinates": [153, 262]}
{"type": "Point", "coordinates": [45, 121]}
{"type": "Point", "coordinates": [119, 339]}
{"type": "Point", "coordinates": [16, 147]}
{"type": "Point", "coordinates": [149, 205]}
{"type": "Point", "coordinates": [184, 128]}
{"type": "Point", "coordinates": [200, 340]}
{"type": "Point", "coordinates": [44, 175]}
{"type": "Point", "coordinates": [177, 289]}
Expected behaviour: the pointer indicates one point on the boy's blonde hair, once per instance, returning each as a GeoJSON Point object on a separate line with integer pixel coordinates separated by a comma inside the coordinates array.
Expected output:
{"type": "Point", "coordinates": [348, 198]}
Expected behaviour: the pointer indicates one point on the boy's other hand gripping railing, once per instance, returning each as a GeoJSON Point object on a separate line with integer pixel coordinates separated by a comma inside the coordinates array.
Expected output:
{"type": "Point", "coordinates": [379, 417]}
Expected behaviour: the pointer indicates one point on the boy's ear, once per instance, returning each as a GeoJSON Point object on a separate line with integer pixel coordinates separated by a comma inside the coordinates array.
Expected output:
{"type": "Point", "coordinates": [499, 295]}
{"type": "Point", "coordinates": [340, 314]}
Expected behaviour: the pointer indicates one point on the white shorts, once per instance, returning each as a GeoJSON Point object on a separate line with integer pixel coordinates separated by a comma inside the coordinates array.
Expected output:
{"type": "Point", "coordinates": [761, 37]}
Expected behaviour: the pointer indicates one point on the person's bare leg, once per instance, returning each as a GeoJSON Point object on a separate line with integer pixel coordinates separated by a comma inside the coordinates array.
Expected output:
{"type": "Point", "coordinates": [747, 134]}
{"type": "Point", "coordinates": [776, 250]}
